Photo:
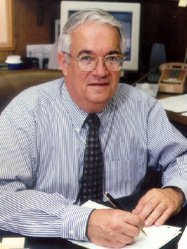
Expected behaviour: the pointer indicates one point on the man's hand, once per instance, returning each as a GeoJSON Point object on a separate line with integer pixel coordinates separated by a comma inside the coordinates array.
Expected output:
{"type": "Point", "coordinates": [157, 205]}
{"type": "Point", "coordinates": [113, 228]}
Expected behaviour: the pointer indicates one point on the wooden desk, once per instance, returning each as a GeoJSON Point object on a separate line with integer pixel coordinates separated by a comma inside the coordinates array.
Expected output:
{"type": "Point", "coordinates": [178, 120]}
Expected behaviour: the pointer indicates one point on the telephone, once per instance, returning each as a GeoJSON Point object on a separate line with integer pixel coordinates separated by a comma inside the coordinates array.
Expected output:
{"type": "Point", "coordinates": [173, 77]}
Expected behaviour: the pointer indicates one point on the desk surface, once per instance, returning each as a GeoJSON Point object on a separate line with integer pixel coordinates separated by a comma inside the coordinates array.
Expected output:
{"type": "Point", "coordinates": [180, 121]}
{"type": "Point", "coordinates": [127, 203]}
{"type": "Point", "coordinates": [177, 118]}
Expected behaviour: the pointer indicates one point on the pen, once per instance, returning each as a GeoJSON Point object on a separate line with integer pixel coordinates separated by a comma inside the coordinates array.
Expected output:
{"type": "Point", "coordinates": [115, 204]}
{"type": "Point", "coordinates": [112, 201]}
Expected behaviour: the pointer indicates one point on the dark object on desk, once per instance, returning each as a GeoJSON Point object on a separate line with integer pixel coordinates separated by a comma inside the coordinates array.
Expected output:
{"type": "Point", "coordinates": [153, 76]}
{"type": "Point", "coordinates": [129, 202]}
{"type": "Point", "coordinates": [152, 180]}
{"type": "Point", "coordinates": [30, 63]}
{"type": "Point", "coordinates": [157, 57]}
{"type": "Point", "coordinates": [15, 66]}
{"type": "Point", "coordinates": [3, 66]}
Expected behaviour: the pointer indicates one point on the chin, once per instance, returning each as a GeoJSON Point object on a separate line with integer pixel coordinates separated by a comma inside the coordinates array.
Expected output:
{"type": "Point", "coordinates": [100, 98]}
{"type": "Point", "coordinates": [97, 106]}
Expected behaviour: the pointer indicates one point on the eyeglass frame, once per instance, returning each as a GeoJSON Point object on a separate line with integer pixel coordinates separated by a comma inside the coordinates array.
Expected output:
{"type": "Point", "coordinates": [121, 56]}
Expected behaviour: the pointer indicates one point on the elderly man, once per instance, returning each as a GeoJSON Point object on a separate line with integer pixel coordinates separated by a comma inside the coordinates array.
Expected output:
{"type": "Point", "coordinates": [45, 164]}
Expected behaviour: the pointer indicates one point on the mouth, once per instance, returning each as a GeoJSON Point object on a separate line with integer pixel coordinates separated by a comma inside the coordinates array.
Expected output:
{"type": "Point", "coordinates": [99, 84]}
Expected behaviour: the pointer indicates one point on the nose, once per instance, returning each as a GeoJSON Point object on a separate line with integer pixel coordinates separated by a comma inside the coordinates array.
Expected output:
{"type": "Point", "coordinates": [100, 69]}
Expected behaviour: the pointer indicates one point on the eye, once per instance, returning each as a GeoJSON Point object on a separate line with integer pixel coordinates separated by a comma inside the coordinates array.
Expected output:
{"type": "Point", "coordinates": [113, 58]}
{"type": "Point", "coordinates": [86, 59]}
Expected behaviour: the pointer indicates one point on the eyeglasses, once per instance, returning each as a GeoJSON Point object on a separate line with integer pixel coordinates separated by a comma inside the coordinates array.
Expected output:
{"type": "Point", "coordinates": [88, 63]}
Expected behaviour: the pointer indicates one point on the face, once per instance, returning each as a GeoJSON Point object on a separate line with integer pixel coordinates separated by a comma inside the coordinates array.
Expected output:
{"type": "Point", "coordinates": [91, 90]}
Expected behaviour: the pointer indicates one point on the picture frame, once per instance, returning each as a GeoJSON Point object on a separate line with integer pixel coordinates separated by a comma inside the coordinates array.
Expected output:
{"type": "Point", "coordinates": [57, 29]}
{"type": "Point", "coordinates": [129, 16]}
{"type": "Point", "coordinates": [6, 25]}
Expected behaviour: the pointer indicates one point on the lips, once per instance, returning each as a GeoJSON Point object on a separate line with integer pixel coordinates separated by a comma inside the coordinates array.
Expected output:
{"type": "Point", "coordinates": [99, 84]}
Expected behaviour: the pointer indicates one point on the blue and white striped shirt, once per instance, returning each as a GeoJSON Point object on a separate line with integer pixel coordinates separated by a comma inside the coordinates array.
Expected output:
{"type": "Point", "coordinates": [41, 156]}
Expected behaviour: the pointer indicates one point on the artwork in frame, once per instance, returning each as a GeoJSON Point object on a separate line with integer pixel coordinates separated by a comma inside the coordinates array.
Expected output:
{"type": "Point", "coordinates": [6, 31]}
{"type": "Point", "coordinates": [129, 16]}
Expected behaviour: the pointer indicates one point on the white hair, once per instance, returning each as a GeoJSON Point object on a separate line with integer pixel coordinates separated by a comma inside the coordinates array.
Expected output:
{"type": "Point", "coordinates": [83, 16]}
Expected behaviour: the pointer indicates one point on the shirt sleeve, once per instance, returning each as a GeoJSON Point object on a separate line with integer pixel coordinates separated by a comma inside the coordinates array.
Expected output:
{"type": "Point", "coordinates": [25, 210]}
{"type": "Point", "coordinates": [167, 149]}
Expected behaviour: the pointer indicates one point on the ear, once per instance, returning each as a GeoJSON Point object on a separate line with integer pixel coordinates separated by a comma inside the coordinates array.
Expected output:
{"type": "Point", "coordinates": [63, 64]}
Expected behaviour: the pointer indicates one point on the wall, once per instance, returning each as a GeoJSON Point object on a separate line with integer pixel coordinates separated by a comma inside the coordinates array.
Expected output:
{"type": "Point", "coordinates": [161, 21]}
{"type": "Point", "coordinates": [32, 24]}
{"type": "Point", "coordinates": [165, 22]}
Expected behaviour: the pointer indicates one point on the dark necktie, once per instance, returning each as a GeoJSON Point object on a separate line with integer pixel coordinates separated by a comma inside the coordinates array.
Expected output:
{"type": "Point", "coordinates": [92, 178]}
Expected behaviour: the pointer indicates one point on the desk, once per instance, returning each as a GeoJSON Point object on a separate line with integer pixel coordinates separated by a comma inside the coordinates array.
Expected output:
{"type": "Point", "coordinates": [127, 203]}
{"type": "Point", "coordinates": [178, 120]}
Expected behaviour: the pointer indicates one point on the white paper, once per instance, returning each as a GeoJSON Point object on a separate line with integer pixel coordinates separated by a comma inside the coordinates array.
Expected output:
{"type": "Point", "coordinates": [148, 88]}
{"type": "Point", "coordinates": [17, 242]}
{"type": "Point", "coordinates": [157, 236]}
{"type": "Point", "coordinates": [92, 204]}
{"type": "Point", "coordinates": [182, 3]}
{"type": "Point", "coordinates": [176, 103]}
{"type": "Point", "coordinates": [183, 240]}
{"type": "Point", "coordinates": [184, 114]}
{"type": "Point", "coordinates": [39, 51]}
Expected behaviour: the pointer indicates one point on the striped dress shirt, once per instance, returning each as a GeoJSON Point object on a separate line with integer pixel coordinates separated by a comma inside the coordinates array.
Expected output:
{"type": "Point", "coordinates": [41, 156]}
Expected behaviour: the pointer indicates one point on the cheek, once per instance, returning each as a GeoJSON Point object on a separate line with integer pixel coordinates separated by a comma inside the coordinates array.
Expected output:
{"type": "Point", "coordinates": [115, 78]}
{"type": "Point", "coordinates": [75, 73]}
{"type": "Point", "coordinates": [77, 80]}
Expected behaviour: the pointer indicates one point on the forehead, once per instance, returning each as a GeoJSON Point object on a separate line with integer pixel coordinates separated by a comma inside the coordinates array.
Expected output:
{"type": "Point", "coordinates": [95, 37]}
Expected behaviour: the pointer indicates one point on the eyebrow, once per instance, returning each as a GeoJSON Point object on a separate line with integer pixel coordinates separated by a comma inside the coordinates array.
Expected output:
{"type": "Point", "coordinates": [85, 52]}
{"type": "Point", "coordinates": [90, 52]}
{"type": "Point", "coordinates": [114, 52]}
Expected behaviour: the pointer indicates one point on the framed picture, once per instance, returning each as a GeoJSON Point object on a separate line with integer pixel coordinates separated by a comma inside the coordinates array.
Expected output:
{"type": "Point", "coordinates": [6, 37]}
{"type": "Point", "coordinates": [57, 29]}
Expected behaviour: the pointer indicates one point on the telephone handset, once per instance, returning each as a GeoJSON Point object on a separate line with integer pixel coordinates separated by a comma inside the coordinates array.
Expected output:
{"type": "Point", "coordinates": [173, 77]}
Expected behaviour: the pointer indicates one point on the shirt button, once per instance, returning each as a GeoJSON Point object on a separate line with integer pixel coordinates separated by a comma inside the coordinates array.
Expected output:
{"type": "Point", "coordinates": [71, 232]}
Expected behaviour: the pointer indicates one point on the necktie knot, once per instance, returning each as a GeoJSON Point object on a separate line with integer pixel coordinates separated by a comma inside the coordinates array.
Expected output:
{"type": "Point", "coordinates": [92, 120]}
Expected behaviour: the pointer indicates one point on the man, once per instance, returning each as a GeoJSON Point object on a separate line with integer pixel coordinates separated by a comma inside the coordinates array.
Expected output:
{"type": "Point", "coordinates": [42, 140]}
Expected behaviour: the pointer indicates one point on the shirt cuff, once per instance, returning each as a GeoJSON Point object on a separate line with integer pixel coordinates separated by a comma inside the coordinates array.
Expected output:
{"type": "Point", "coordinates": [179, 183]}
{"type": "Point", "coordinates": [74, 225]}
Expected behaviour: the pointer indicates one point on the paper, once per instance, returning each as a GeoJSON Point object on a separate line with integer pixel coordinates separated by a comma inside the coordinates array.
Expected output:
{"type": "Point", "coordinates": [183, 240]}
{"type": "Point", "coordinates": [182, 3]}
{"type": "Point", "coordinates": [176, 103]}
{"type": "Point", "coordinates": [40, 51]}
{"type": "Point", "coordinates": [184, 114]}
{"type": "Point", "coordinates": [148, 88]}
{"type": "Point", "coordinates": [156, 236]}
{"type": "Point", "coordinates": [17, 242]}
{"type": "Point", "coordinates": [92, 204]}
{"type": "Point", "coordinates": [3, 247]}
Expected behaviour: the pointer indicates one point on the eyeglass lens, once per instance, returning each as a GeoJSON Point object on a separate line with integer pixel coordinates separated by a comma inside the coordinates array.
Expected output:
{"type": "Point", "coordinates": [89, 63]}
